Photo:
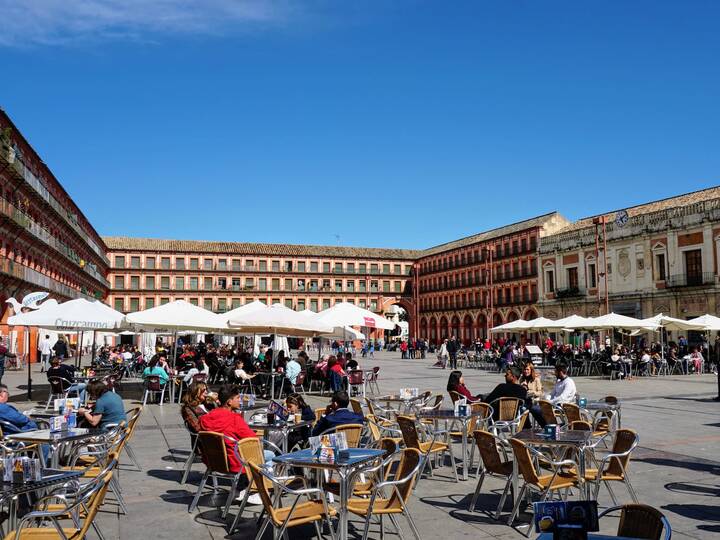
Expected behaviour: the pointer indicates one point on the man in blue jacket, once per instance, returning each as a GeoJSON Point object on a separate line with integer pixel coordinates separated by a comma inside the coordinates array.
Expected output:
{"type": "Point", "coordinates": [13, 420]}
{"type": "Point", "coordinates": [337, 414]}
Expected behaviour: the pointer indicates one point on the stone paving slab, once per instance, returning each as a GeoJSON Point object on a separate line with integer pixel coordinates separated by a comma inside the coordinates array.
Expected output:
{"type": "Point", "coordinates": [676, 467]}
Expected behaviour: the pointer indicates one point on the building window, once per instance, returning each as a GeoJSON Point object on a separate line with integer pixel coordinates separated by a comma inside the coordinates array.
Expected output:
{"type": "Point", "coordinates": [386, 286]}
{"type": "Point", "coordinates": [222, 305]}
{"type": "Point", "coordinates": [301, 305]}
{"type": "Point", "coordinates": [550, 281]}
{"type": "Point", "coordinates": [135, 283]}
{"type": "Point", "coordinates": [149, 303]}
{"type": "Point", "coordinates": [165, 283]}
{"type": "Point", "coordinates": [660, 267]}
{"type": "Point", "coordinates": [326, 303]}
{"type": "Point", "coordinates": [194, 264]}
{"type": "Point", "coordinates": [592, 275]}
{"type": "Point", "coordinates": [288, 266]}
{"type": "Point", "coordinates": [263, 266]}
{"type": "Point", "coordinates": [249, 284]}
{"type": "Point", "coordinates": [207, 264]}
{"type": "Point", "coordinates": [207, 283]}
{"type": "Point", "coordinates": [363, 268]}
{"type": "Point", "coordinates": [179, 263]}
{"type": "Point", "coordinates": [236, 265]}
{"type": "Point", "coordinates": [235, 303]}
{"type": "Point", "coordinates": [386, 268]}
{"type": "Point", "coordinates": [301, 285]}
{"type": "Point", "coordinates": [313, 266]}
{"type": "Point", "coordinates": [179, 283]}
{"type": "Point", "coordinates": [351, 286]}
{"type": "Point", "coordinates": [398, 286]}
{"type": "Point", "coordinates": [164, 301]}
{"type": "Point", "coordinates": [301, 266]}
{"type": "Point", "coordinates": [135, 262]}
{"type": "Point", "coordinates": [222, 264]}
{"type": "Point", "coordinates": [363, 285]}
{"type": "Point", "coordinates": [288, 285]}
{"type": "Point", "coordinates": [363, 304]}
{"type": "Point", "coordinates": [119, 261]}
{"type": "Point", "coordinates": [208, 304]}
{"type": "Point", "coordinates": [326, 267]}
{"type": "Point", "coordinates": [276, 266]}
{"type": "Point", "coordinates": [165, 263]}
{"type": "Point", "coordinates": [235, 284]}
{"type": "Point", "coordinates": [119, 282]}
{"type": "Point", "coordinates": [572, 278]}
{"type": "Point", "coordinates": [193, 284]}
{"type": "Point", "coordinates": [222, 283]}
{"type": "Point", "coordinates": [373, 286]}
{"type": "Point", "coordinates": [150, 282]}
{"type": "Point", "coordinates": [313, 305]}
{"type": "Point", "coordinates": [288, 303]}
{"type": "Point", "coordinates": [194, 301]}
{"type": "Point", "coordinates": [374, 269]}
{"type": "Point", "coordinates": [262, 284]}
{"type": "Point", "coordinates": [150, 263]}
{"type": "Point", "coordinates": [397, 269]}
{"type": "Point", "coordinates": [693, 266]}
{"type": "Point", "coordinates": [338, 268]}
{"type": "Point", "coordinates": [373, 305]}
{"type": "Point", "coordinates": [350, 268]}
{"type": "Point", "coordinates": [275, 284]}
{"type": "Point", "coordinates": [120, 304]}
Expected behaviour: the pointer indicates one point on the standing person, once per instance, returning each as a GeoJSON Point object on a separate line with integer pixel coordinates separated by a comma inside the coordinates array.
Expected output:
{"type": "Point", "coordinates": [443, 354]}
{"type": "Point", "coordinates": [423, 348]}
{"type": "Point", "coordinates": [3, 355]}
{"type": "Point", "coordinates": [60, 348]}
{"type": "Point", "coordinates": [452, 349]}
{"type": "Point", "coordinates": [45, 353]}
{"type": "Point", "coordinates": [403, 350]}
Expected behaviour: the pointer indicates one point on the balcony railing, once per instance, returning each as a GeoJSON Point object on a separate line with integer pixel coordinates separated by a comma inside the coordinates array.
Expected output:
{"type": "Point", "coordinates": [690, 280]}
{"type": "Point", "coordinates": [257, 269]}
{"type": "Point", "coordinates": [42, 281]}
{"type": "Point", "coordinates": [482, 259]}
{"type": "Point", "coordinates": [569, 292]}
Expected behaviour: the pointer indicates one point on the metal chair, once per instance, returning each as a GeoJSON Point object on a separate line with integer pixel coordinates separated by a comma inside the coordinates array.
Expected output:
{"type": "Point", "coordinates": [58, 389]}
{"type": "Point", "coordinates": [214, 450]}
{"type": "Point", "coordinates": [356, 406]}
{"type": "Point", "coordinates": [356, 382]}
{"type": "Point", "coordinates": [508, 415]}
{"type": "Point", "coordinates": [492, 465]}
{"type": "Point", "coordinates": [426, 448]}
{"type": "Point", "coordinates": [544, 484]}
{"type": "Point", "coordinates": [401, 488]}
{"type": "Point", "coordinates": [372, 381]}
{"type": "Point", "coordinates": [154, 386]}
{"type": "Point", "coordinates": [613, 467]}
{"type": "Point", "coordinates": [352, 432]}
{"type": "Point", "coordinates": [299, 383]}
{"type": "Point", "coordinates": [641, 521]}
{"type": "Point", "coordinates": [298, 513]}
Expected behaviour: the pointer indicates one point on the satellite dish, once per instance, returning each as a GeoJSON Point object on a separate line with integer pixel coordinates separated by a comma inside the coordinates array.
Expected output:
{"type": "Point", "coordinates": [621, 218]}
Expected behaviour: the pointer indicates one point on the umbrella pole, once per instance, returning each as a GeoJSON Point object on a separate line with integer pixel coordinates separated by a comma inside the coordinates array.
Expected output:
{"type": "Point", "coordinates": [272, 370]}
{"type": "Point", "coordinates": [82, 341]}
{"type": "Point", "coordinates": [29, 367]}
{"type": "Point", "coordinates": [174, 349]}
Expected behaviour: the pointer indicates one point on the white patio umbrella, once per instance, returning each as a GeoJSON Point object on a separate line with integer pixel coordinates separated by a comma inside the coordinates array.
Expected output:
{"type": "Point", "coordinates": [611, 321]}
{"type": "Point", "coordinates": [176, 316]}
{"type": "Point", "coordinates": [255, 305]}
{"type": "Point", "coordinates": [347, 314]}
{"type": "Point", "coordinates": [339, 332]}
{"type": "Point", "coordinates": [77, 315]}
{"type": "Point", "coordinates": [708, 322]}
{"type": "Point", "coordinates": [279, 320]}
{"type": "Point", "coordinates": [572, 322]}
{"type": "Point", "coordinates": [512, 326]}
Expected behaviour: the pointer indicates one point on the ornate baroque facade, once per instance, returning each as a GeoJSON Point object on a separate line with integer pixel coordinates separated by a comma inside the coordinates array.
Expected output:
{"type": "Point", "coordinates": [662, 257]}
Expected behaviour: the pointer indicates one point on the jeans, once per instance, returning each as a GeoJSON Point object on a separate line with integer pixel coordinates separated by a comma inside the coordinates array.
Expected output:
{"type": "Point", "coordinates": [80, 389]}
{"type": "Point", "coordinates": [537, 415]}
{"type": "Point", "coordinates": [45, 359]}
{"type": "Point", "coordinates": [453, 360]}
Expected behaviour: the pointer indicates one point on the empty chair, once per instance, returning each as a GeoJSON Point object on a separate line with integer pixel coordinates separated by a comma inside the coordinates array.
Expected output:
{"type": "Point", "coordinates": [356, 382]}
{"type": "Point", "coordinates": [426, 448]}
{"type": "Point", "coordinates": [492, 465]}
{"type": "Point", "coordinates": [641, 521]}
{"type": "Point", "coordinates": [58, 389]}
{"type": "Point", "coordinates": [372, 382]}
{"type": "Point", "coordinates": [613, 466]}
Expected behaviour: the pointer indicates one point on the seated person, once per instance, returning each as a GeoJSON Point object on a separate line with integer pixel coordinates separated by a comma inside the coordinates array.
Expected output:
{"type": "Point", "coordinates": [350, 363]}
{"type": "Point", "coordinates": [108, 409]}
{"type": "Point", "coordinates": [154, 369]}
{"type": "Point", "coordinates": [292, 370]}
{"type": "Point", "coordinates": [696, 359]}
{"type": "Point", "coordinates": [58, 369]}
{"type": "Point", "coordinates": [510, 388]}
{"type": "Point", "coordinates": [337, 414]}
{"type": "Point", "coordinates": [563, 392]}
{"type": "Point", "coordinates": [196, 403]}
{"type": "Point", "coordinates": [224, 419]}
{"type": "Point", "coordinates": [530, 380]}
{"type": "Point", "coordinates": [295, 404]}
{"type": "Point", "coordinates": [456, 383]}
{"type": "Point", "coordinates": [199, 367]}
{"type": "Point", "coordinates": [336, 374]}
{"type": "Point", "coordinates": [13, 420]}
{"type": "Point", "coordinates": [644, 362]}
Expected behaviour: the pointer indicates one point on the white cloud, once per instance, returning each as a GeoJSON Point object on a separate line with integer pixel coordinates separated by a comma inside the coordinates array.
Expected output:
{"type": "Point", "coordinates": [52, 22]}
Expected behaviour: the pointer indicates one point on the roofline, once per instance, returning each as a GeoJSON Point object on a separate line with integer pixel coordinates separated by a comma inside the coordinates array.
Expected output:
{"type": "Point", "coordinates": [490, 231]}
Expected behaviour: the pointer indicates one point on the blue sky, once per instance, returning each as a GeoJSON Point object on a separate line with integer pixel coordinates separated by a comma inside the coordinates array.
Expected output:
{"type": "Point", "coordinates": [399, 123]}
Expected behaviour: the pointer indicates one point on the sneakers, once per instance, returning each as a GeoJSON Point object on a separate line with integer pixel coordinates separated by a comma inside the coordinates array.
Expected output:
{"type": "Point", "coordinates": [253, 499]}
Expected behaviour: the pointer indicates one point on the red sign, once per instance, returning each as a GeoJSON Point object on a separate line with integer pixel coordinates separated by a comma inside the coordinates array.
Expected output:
{"type": "Point", "coordinates": [369, 322]}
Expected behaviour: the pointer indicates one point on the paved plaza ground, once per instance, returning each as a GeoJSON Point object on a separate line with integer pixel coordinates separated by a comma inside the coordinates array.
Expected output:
{"type": "Point", "coordinates": [676, 467]}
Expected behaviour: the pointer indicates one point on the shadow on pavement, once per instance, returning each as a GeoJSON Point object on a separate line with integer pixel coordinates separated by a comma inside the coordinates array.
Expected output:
{"type": "Point", "coordinates": [695, 489]}
{"type": "Point", "coordinates": [698, 512]}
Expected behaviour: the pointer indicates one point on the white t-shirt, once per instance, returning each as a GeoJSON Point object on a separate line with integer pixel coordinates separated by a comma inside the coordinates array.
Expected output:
{"type": "Point", "coordinates": [45, 347]}
{"type": "Point", "coordinates": [564, 391]}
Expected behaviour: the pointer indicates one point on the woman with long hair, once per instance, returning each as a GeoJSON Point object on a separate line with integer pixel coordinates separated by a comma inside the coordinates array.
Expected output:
{"type": "Point", "coordinates": [530, 379]}
{"type": "Point", "coordinates": [295, 404]}
{"type": "Point", "coordinates": [456, 383]}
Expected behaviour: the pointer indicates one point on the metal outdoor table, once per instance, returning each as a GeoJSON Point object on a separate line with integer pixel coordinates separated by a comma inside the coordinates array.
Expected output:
{"type": "Point", "coordinates": [282, 427]}
{"type": "Point", "coordinates": [603, 406]}
{"type": "Point", "coordinates": [449, 416]}
{"type": "Point", "coordinates": [55, 439]}
{"type": "Point", "coordinates": [396, 398]}
{"type": "Point", "coordinates": [50, 478]}
{"type": "Point", "coordinates": [358, 459]}
{"type": "Point", "coordinates": [575, 439]}
{"type": "Point", "coordinates": [267, 377]}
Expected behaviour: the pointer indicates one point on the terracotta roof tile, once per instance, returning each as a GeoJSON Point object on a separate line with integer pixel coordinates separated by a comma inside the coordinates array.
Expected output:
{"type": "Point", "coordinates": [120, 243]}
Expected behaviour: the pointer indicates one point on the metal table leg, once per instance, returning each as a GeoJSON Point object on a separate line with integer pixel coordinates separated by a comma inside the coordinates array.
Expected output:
{"type": "Point", "coordinates": [464, 448]}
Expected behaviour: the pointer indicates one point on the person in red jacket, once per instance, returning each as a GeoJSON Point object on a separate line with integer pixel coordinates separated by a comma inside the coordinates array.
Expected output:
{"type": "Point", "coordinates": [225, 420]}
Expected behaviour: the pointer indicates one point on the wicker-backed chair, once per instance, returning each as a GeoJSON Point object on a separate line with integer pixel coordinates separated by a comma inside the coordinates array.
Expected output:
{"type": "Point", "coordinates": [214, 452]}
{"type": "Point", "coordinates": [411, 438]}
{"type": "Point", "coordinates": [482, 416]}
{"type": "Point", "coordinates": [379, 430]}
{"type": "Point", "coordinates": [357, 406]}
{"type": "Point", "coordinates": [364, 484]}
{"type": "Point", "coordinates": [379, 504]}
{"type": "Point", "coordinates": [613, 467]}
{"type": "Point", "coordinates": [506, 413]}
{"type": "Point", "coordinates": [641, 521]}
{"type": "Point", "coordinates": [547, 410]}
{"type": "Point", "coordinates": [572, 413]}
{"type": "Point", "coordinates": [492, 465]}
{"type": "Point", "coordinates": [559, 480]}
{"type": "Point", "coordinates": [313, 511]}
